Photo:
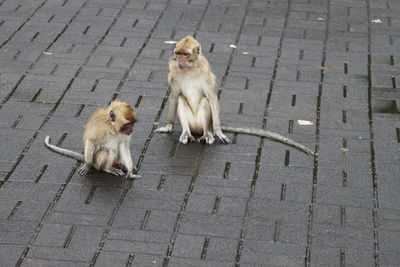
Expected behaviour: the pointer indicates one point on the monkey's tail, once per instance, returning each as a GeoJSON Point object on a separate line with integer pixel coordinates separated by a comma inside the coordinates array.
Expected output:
{"type": "Point", "coordinates": [63, 151]}
{"type": "Point", "coordinates": [268, 134]}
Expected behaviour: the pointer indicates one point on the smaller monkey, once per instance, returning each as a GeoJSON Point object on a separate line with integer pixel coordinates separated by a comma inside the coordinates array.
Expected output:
{"type": "Point", "coordinates": [106, 139]}
{"type": "Point", "coordinates": [194, 101]}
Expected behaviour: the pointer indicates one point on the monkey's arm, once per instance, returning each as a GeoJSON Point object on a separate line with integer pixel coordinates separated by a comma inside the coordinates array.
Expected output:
{"type": "Point", "coordinates": [173, 104]}
{"type": "Point", "coordinates": [63, 151]}
{"type": "Point", "coordinates": [268, 134]}
{"type": "Point", "coordinates": [126, 159]}
{"type": "Point", "coordinates": [214, 104]}
{"type": "Point", "coordinates": [89, 153]}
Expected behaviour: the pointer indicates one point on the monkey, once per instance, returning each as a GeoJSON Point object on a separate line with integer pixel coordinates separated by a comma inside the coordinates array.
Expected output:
{"type": "Point", "coordinates": [106, 140]}
{"type": "Point", "coordinates": [194, 101]}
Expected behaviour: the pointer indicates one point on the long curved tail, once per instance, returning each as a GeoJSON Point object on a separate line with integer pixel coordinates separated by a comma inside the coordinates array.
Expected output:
{"type": "Point", "coordinates": [268, 134]}
{"type": "Point", "coordinates": [63, 151]}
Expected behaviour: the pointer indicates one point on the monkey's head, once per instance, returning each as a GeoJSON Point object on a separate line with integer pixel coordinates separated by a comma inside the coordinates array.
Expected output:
{"type": "Point", "coordinates": [121, 116]}
{"type": "Point", "coordinates": [186, 52]}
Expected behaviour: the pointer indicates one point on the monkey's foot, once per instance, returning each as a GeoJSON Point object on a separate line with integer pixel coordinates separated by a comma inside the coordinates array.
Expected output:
{"type": "Point", "coordinates": [224, 139]}
{"type": "Point", "coordinates": [83, 170]}
{"type": "Point", "coordinates": [208, 138]}
{"type": "Point", "coordinates": [116, 172]}
{"type": "Point", "coordinates": [165, 129]}
{"type": "Point", "coordinates": [185, 137]}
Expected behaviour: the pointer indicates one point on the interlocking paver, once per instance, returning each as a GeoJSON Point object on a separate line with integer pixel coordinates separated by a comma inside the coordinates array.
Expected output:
{"type": "Point", "coordinates": [253, 202]}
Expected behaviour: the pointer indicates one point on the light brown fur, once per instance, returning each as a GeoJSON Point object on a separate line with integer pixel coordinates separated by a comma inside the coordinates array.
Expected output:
{"type": "Point", "coordinates": [193, 97]}
{"type": "Point", "coordinates": [199, 65]}
{"type": "Point", "coordinates": [99, 126]}
{"type": "Point", "coordinates": [194, 100]}
{"type": "Point", "coordinates": [106, 139]}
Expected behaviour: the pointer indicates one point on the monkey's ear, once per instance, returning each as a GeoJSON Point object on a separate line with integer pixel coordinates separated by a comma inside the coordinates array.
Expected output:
{"type": "Point", "coordinates": [196, 50]}
{"type": "Point", "coordinates": [111, 116]}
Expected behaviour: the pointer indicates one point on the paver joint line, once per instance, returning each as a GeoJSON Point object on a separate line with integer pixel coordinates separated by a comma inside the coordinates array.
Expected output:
{"type": "Point", "coordinates": [324, 73]}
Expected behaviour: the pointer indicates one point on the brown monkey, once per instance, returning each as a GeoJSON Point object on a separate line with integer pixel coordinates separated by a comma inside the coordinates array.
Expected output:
{"type": "Point", "coordinates": [106, 139]}
{"type": "Point", "coordinates": [194, 100]}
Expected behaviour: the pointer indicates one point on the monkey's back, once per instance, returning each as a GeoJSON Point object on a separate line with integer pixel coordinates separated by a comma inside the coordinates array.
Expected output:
{"type": "Point", "coordinates": [98, 127]}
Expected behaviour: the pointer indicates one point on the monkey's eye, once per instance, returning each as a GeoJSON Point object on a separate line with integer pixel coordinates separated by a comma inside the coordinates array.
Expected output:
{"type": "Point", "coordinates": [179, 53]}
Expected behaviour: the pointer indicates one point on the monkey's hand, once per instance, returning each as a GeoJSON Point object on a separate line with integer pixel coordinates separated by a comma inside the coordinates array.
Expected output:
{"type": "Point", "coordinates": [186, 137]}
{"type": "Point", "coordinates": [84, 169]}
{"type": "Point", "coordinates": [224, 139]}
{"type": "Point", "coordinates": [165, 129]}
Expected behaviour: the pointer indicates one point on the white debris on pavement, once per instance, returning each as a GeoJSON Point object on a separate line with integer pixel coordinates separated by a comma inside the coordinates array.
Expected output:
{"type": "Point", "coordinates": [303, 122]}
{"type": "Point", "coordinates": [170, 42]}
{"type": "Point", "coordinates": [376, 21]}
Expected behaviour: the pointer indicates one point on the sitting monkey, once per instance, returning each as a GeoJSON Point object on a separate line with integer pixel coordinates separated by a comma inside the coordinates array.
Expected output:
{"type": "Point", "coordinates": [106, 139]}
{"type": "Point", "coordinates": [194, 100]}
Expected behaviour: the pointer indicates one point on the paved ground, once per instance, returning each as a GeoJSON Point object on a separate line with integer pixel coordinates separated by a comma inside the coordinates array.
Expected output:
{"type": "Point", "coordinates": [250, 203]}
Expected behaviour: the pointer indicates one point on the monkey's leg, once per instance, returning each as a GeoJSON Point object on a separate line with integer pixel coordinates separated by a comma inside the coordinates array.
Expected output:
{"type": "Point", "coordinates": [126, 160]}
{"type": "Point", "coordinates": [108, 164]}
{"type": "Point", "coordinates": [99, 159]}
{"type": "Point", "coordinates": [204, 118]}
{"type": "Point", "coordinates": [102, 159]}
{"type": "Point", "coordinates": [89, 154]}
{"type": "Point", "coordinates": [186, 117]}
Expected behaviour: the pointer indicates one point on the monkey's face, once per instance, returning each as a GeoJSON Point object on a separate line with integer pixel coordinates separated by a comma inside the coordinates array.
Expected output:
{"type": "Point", "coordinates": [127, 128]}
{"type": "Point", "coordinates": [186, 53]}
{"type": "Point", "coordinates": [185, 59]}
{"type": "Point", "coordinates": [122, 117]}
{"type": "Point", "coordinates": [182, 58]}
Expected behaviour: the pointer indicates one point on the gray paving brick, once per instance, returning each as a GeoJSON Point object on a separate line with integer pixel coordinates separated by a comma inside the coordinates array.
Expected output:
{"type": "Point", "coordinates": [10, 254]}
{"type": "Point", "coordinates": [188, 246]}
{"type": "Point", "coordinates": [275, 210]}
{"type": "Point", "coordinates": [136, 247]}
{"type": "Point", "coordinates": [222, 187]}
{"type": "Point", "coordinates": [279, 191]}
{"type": "Point", "coordinates": [160, 220]}
{"type": "Point", "coordinates": [53, 254]}
{"type": "Point", "coordinates": [355, 197]}
{"type": "Point", "coordinates": [53, 235]}
{"type": "Point", "coordinates": [390, 259]}
{"type": "Point", "coordinates": [196, 262]}
{"type": "Point", "coordinates": [88, 200]}
{"type": "Point", "coordinates": [334, 256]}
{"type": "Point", "coordinates": [108, 258]}
{"type": "Point", "coordinates": [194, 202]}
{"type": "Point", "coordinates": [76, 218]}
{"type": "Point", "coordinates": [388, 241]}
{"type": "Point", "coordinates": [217, 169]}
{"type": "Point", "coordinates": [44, 262]}
{"type": "Point", "coordinates": [329, 236]}
{"type": "Point", "coordinates": [221, 249]}
{"type": "Point", "coordinates": [217, 226]}
{"type": "Point", "coordinates": [340, 215]}
{"type": "Point", "coordinates": [260, 259]}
